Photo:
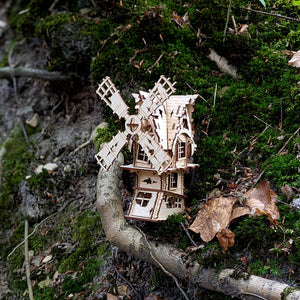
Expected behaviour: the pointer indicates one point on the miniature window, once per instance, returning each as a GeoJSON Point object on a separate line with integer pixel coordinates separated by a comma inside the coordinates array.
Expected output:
{"type": "Point", "coordinates": [181, 150]}
{"type": "Point", "coordinates": [143, 198]}
{"type": "Point", "coordinates": [173, 181]}
{"type": "Point", "coordinates": [142, 155]}
{"type": "Point", "coordinates": [173, 202]}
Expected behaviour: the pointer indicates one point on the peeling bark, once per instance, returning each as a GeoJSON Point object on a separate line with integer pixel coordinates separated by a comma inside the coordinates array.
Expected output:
{"type": "Point", "coordinates": [131, 240]}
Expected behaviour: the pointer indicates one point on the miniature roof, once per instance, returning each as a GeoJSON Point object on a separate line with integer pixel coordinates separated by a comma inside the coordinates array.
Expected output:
{"type": "Point", "coordinates": [172, 118]}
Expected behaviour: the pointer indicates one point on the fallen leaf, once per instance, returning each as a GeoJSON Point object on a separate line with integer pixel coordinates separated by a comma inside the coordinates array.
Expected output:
{"type": "Point", "coordinates": [153, 297]}
{"type": "Point", "coordinates": [240, 211]}
{"type": "Point", "coordinates": [225, 238]}
{"type": "Point", "coordinates": [214, 216]}
{"type": "Point", "coordinates": [287, 191]}
{"type": "Point", "coordinates": [295, 60]}
{"type": "Point", "coordinates": [262, 200]}
{"type": "Point", "coordinates": [122, 290]}
{"type": "Point", "coordinates": [111, 297]}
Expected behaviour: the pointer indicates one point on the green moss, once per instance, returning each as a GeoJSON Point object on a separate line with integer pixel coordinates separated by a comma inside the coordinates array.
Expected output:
{"type": "Point", "coordinates": [74, 40]}
{"type": "Point", "coordinates": [16, 159]}
{"type": "Point", "coordinates": [33, 10]}
{"type": "Point", "coordinates": [283, 169]}
{"type": "Point", "coordinates": [212, 256]}
{"type": "Point", "coordinates": [40, 181]}
{"type": "Point", "coordinates": [288, 291]}
{"type": "Point", "coordinates": [104, 135]}
{"type": "Point", "coordinates": [85, 229]}
{"type": "Point", "coordinates": [17, 258]}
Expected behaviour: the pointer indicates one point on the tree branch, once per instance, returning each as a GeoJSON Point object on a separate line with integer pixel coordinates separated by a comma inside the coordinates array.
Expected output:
{"type": "Point", "coordinates": [129, 239]}
{"type": "Point", "coordinates": [10, 72]}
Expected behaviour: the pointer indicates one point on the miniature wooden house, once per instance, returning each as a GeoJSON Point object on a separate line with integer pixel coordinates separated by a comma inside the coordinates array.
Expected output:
{"type": "Point", "coordinates": [161, 138]}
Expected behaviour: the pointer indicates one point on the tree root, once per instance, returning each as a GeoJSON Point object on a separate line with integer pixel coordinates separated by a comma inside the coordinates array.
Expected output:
{"type": "Point", "coordinates": [131, 240]}
{"type": "Point", "coordinates": [10, 72]}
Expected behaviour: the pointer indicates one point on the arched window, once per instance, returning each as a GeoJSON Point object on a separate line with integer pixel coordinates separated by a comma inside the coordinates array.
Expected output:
{"type": "Point", "coordinates": [181, 151]}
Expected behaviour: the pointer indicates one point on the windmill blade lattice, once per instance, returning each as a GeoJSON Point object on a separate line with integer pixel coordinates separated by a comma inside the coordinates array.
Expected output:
{"type": "Point", "coordinates": [159, 159]}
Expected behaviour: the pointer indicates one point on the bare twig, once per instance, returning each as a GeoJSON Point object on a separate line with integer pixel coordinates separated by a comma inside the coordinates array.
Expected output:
{"type": "Point", "coordinates": [157, 61]}
{"type": "Point", "coordinates": [268, 125]}
{"type": "Point", "coordinates": [39, 224]}
{"type": "Point", "coordinates": [227, 19]}
{"type": "Point", "coordinates": [188, 234]}
{"type": "Point", "coordinates": [136, 52]}
{"type": "Point", "coordinates": [80, 147]}
{"type": "Point", "coordinates": [215, 94]}
{"type": "Point", "coordinates": [27, 261]}
{"type": "Point", "coordinates": [258, 178]}
{"type": "Point", "coordinates": [160, 265]}
{"type": "Point", "coordinates": [51, 8]}
{"type": "Point", "coordinates": [288, 140]}
{"type": "Point", "coordinates": [9, 72]}
{"type": "Point", "coordinates": [123, 278]}
{"type": "Point", "coordinates": [253, 140]}
{"type": "Point", "coordinates": [24, 130]}
{"type": "Point", "coordinates": [272, 14]}
{"type": "Point", "coordinates": [234, 25]}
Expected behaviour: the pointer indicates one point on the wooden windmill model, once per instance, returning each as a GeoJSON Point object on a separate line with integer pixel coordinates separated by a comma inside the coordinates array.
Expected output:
{"type": "Point", "coordinates": [161, 138]}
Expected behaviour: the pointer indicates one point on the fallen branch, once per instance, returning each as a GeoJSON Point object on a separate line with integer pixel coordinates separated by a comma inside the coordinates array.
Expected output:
{"type": "Point", "coordinates": [10, 72]}
{"type": "Point", "coordinates": [271, 14]}
{"type": "Point", "coordinates": [223, 64]}
{"type": "Point", "coordinates": [131, 240]}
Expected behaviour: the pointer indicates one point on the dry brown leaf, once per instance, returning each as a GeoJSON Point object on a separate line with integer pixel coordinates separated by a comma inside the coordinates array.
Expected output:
{"type": "Point", "coordinates": [153, 297]}
{"type": "Point", "coordinates": [262, 200]}
{"type": "Point", "coordinates": [225, 238]}
{"type": "Point", "coordinates": [240, 211]}
{"type": "Point", "coordinates": [214, 216]}
{"type": "Point", "coordinates": [295, 60]}
{"type": "Point", "coordinates": [287, 191]}
{"type": "Point", "coordinates": [111, 297]}
{"type": "Point", "coordinates": [243, 28]}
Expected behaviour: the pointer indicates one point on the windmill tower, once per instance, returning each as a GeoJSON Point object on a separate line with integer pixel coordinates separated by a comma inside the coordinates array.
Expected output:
{"type": "Point", "coordinates": [161, 138]}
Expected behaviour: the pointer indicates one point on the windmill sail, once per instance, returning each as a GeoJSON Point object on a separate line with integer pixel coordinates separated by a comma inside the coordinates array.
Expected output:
{"type": "Point", "coordinates": [110, 151]}
{"type": "Point", "coordinates": [111, 96]}
{"type": "Point", "coordinates": [162, 90]}
{"type": "Point", "coordinates": [159, 159]}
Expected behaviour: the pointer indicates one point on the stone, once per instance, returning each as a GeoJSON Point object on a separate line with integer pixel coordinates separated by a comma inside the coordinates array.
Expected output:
{"type": "Point", "coordinates": [47, 259]}
{"type": "Point", "coordinates": [67, 169]}
{"type": "Point", "coordinates": [49, 167]}
{"type": "Point", "coordinates": [296, 203]}
{"type": "Point", "coordinates": [33, 121]}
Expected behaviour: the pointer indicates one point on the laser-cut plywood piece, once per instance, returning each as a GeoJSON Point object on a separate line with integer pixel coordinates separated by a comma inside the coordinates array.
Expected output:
{"type": "Point", "coordinates": [161, 138]}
